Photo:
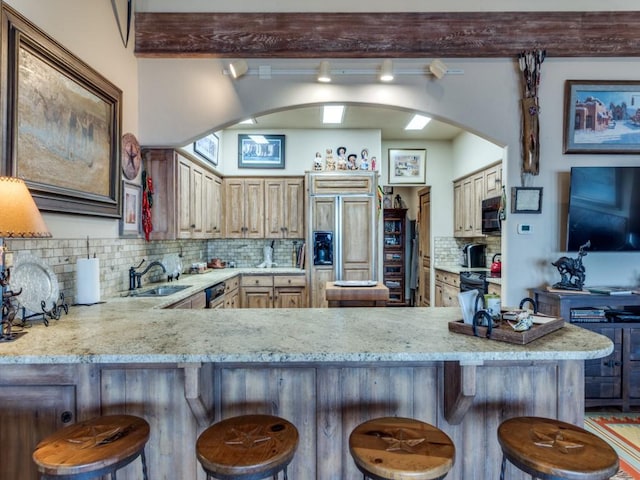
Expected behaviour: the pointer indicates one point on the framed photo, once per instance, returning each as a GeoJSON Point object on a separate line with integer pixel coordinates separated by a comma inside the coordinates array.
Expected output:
{"type": "Point", "coordinates": [407, 166]}
{"type": "Point", "coordinates": [207, 148]}
{"type": "Point", "coordinates": [63, 123]}
{"type": "Point", "coordinates": [260, 151]}
{"type": "Point", "coordinates": [602, 117]}
{"type": "Point", "coordinates": [131, 223]}
{"type": "Point", "coordinates": [526, 199]}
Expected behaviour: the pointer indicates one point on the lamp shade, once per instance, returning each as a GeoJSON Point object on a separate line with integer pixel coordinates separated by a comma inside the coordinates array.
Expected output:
{"type": "Point", "coordinates": [19, 215]}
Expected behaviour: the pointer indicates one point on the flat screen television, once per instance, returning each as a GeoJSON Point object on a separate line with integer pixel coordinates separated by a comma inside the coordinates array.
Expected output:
{"type": "Point", "coordinates": [604, 208]}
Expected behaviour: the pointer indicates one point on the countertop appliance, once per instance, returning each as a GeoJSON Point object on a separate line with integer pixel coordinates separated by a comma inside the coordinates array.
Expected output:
{"type": "Point", "coordinates": [496, 265]}
{"type": "Point", "coordinates": [491, 210]}
{"type": "Point", "coordinates": [472, 255]}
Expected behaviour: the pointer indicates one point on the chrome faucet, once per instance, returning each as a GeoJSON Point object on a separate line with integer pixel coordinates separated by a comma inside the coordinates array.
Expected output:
{"type": "Point", "coordinates": [136, 277]}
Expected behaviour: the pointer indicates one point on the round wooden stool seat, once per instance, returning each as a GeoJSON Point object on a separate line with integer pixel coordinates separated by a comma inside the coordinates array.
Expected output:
{"type": "Point", "coordinates": [551, 450]}
{"type": "Point", "coordinates": [248, 447]}
{"type": "Point", "coordinates": [92, 448]}
{"type": "Point", "coordinates": [393, 448]}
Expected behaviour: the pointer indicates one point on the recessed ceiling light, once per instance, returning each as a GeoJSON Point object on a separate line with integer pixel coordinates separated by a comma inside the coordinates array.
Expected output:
{"type": "Point", "coordinates": [418, 122]}
{"type": "Point", "coordinates": [248, 121]}
{"type": "Point", "coordinates": [333, 114]}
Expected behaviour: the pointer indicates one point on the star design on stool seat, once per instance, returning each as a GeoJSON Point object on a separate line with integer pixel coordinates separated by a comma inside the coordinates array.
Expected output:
{"type": "Point", "coordinates": [554, 439]}
{"type": "Point", "coordinates": [399, 440]}
{"type": "Point", "coordinates": [253, 436]}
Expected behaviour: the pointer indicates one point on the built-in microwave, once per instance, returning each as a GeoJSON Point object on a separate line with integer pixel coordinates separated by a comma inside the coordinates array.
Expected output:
{"type": "Point", "coordinates": [491, 212]}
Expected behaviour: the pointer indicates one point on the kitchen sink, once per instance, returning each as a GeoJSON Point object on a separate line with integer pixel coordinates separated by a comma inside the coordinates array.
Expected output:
{"type": "Point", "coordinates": [163, 291]}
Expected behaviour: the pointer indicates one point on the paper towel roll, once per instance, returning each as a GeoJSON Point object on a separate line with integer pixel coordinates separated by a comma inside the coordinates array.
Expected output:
{"type": "Point", "coordinates": [87, 281]}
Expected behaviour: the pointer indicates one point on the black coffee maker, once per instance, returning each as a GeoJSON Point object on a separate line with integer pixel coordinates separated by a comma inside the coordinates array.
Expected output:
{"type": "Point", "coordinates": [323, 248]}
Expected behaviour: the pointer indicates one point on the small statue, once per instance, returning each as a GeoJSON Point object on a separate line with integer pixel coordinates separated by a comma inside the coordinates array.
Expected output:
{"type": "Point", "coordinates": [330, 162]}
{"type": "Point", "coordinates": [317, 162]}
{"type": "Point", "coordinates": [352, 162]}
{"type": "Point", "coordinates": [373, 163]}
{"type": "Point", "coordinates": [571, 270]}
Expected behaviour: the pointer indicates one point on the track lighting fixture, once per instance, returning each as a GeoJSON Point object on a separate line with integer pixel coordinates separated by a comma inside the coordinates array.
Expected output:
{"type": "Point", "coordinates": [238, 68]}
{"type": "Point", "coordinates": [438, 68]}
{"type": "Point", "coordinates": [324, 73]}
{"type": "Point", "coordinates": [386, 71]}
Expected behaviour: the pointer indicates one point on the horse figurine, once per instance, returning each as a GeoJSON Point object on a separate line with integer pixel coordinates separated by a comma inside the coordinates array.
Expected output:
{"type": "Point", "coordinates": [571, 270]}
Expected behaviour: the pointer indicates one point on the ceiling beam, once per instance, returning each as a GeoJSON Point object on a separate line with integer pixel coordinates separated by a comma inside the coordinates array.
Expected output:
{"type": "Point", "coordinates": [396, 35]}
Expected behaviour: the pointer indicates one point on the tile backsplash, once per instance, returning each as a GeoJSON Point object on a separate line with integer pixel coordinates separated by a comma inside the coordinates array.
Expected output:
{"type": "Point", "coordinates": [446, 250]}
{"type": "Point", "coordinates": [118, 255]}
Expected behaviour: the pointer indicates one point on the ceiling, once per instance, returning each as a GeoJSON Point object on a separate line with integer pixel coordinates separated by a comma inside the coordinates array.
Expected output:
{"type": "Point", "coordinates": [390, 122]}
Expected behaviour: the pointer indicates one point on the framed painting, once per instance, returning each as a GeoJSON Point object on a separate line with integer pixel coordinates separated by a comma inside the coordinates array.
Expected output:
{"type": "Point", "coordinates": [63, 124]}
{"type": "Point", "coordinates": [130, 223]}
{"type": "Point", "coordinates": [207, 148]}
{"type": "Point", "coordinates": [407, 166]}
{"type": "Point", "coordinates": [260, 151]}
{"type": "Point", "coordinates": [602, 117]}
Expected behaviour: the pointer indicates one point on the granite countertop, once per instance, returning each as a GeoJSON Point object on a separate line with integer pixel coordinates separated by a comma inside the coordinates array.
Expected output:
{"type": "Point", "coordinates": [139, 330]}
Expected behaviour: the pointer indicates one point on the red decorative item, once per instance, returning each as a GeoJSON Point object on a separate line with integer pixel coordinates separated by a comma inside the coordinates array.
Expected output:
{"type": "Point", "coordinates": [147, 202]}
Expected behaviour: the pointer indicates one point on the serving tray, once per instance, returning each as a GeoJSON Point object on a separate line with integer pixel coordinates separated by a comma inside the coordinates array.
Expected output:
{"type": "Point", "coordinates": [503, 332]}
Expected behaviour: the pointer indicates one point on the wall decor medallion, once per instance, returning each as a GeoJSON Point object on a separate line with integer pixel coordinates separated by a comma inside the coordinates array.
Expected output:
{"type": "Point", "coordinates": [131, 158]}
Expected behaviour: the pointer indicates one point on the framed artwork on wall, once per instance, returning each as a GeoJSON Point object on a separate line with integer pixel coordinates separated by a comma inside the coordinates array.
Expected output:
{"type": "Point", "coordinates": [260, 151]}
{"type": "Point", "coordinates": [64, 122]}
{"type": "Point", "coordinates": [526, 200]}
{"type": "Point", "coordinates": [207, 148]}
{"type": "Point", "coordinates": [602, 117]}
{"type": "Point", "coordinates": [407, 166]}
{"type": "Point", "coordinates": [130, 223]}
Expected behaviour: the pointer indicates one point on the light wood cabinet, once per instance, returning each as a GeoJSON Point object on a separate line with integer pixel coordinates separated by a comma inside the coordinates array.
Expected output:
{"type": "Point", "coordinates": [213, 203]}
{"type": "Point", "coordinates": [468, 193]}
{"type": "Point", "coordinates": [424, 248]}
{"type": "Point", "coordinates": [195, 301]}
{"type": "Point", "coordinates": [244, 207]}
{"type": "Point", "coordinates": [284, 205]}
{"type": "Point", "coordinates": [273, 291]}
{"type": "Point", "coordinates": [232, 292]}
{"type": "Point", "coordinates": [447, 287]}
{"type": "Point", "coordinates": [184, 197]}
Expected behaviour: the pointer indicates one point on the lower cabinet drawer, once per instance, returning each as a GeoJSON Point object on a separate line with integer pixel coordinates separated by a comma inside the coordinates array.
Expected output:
{"type": "Point", "coordinates": [257, 280]}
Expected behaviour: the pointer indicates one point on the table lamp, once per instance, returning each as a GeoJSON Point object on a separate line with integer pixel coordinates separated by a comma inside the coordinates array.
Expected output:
{"type": "Point", "coordinates": [19, 218]}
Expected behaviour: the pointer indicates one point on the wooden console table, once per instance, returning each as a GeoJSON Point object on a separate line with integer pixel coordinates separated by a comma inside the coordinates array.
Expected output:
{"type": "Point", "coordinates": [376, 296]}
{"type": "Point", "coordinates": [615, 379]}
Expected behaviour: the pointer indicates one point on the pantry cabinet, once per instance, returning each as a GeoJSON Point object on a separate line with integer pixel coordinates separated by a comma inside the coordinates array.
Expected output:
{"type": "Point", "coordinates": [468, 193]}
{"type": "Point", "coordinates": [184, 204]}
{"type": "Point", "coordinates": [394, 257]}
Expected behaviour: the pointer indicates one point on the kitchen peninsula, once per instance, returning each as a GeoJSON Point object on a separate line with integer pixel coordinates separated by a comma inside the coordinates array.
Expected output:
{"type": "Point", "coordinates": [325, 370]}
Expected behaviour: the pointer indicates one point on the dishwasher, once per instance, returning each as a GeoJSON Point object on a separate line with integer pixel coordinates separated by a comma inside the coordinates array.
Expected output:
{"type": "Point", "coordinates": [215, 296]}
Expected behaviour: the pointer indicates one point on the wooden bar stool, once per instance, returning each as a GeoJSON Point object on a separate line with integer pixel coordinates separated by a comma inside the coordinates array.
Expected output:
{"type": "Point", "coordinates": [92, 448]}
{"type": "Point", "coordinates": [394, 448]}
{"type": "Point", "coordinates": [553, 450]}
{"type": "Point", "coordinates": [248, 447]}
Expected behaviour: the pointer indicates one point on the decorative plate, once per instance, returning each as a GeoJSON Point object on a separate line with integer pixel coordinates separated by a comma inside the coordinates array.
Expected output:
{"type": "Point", "coordinates": [37, 281]}
{"type": "Point", "coordinates": [172, 263]}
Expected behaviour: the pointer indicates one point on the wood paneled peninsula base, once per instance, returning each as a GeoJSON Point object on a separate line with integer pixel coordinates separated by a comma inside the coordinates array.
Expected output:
{"type": "Point", "coordinates": [324, 370]}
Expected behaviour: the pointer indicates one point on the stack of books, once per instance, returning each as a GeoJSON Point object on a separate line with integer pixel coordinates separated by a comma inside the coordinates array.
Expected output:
{"type": "Point", "coordinates": [588, 315]}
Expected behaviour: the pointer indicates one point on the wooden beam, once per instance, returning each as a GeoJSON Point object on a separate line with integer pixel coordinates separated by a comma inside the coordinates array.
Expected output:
{"type": "Point", "coordinates": [396, 35]}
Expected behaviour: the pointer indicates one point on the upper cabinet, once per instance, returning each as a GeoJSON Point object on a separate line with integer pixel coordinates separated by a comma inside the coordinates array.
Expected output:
{"type": "Point", "coordinates": [284, 205]}
{"type": "Point", "coordinates": [244, 207]}
{"type": "Point", "coordinates": [468, 193]}
{"type": "Point", "coordinates": [264, 208]}
{"type": "Point", "coordinates": [184, 200]}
